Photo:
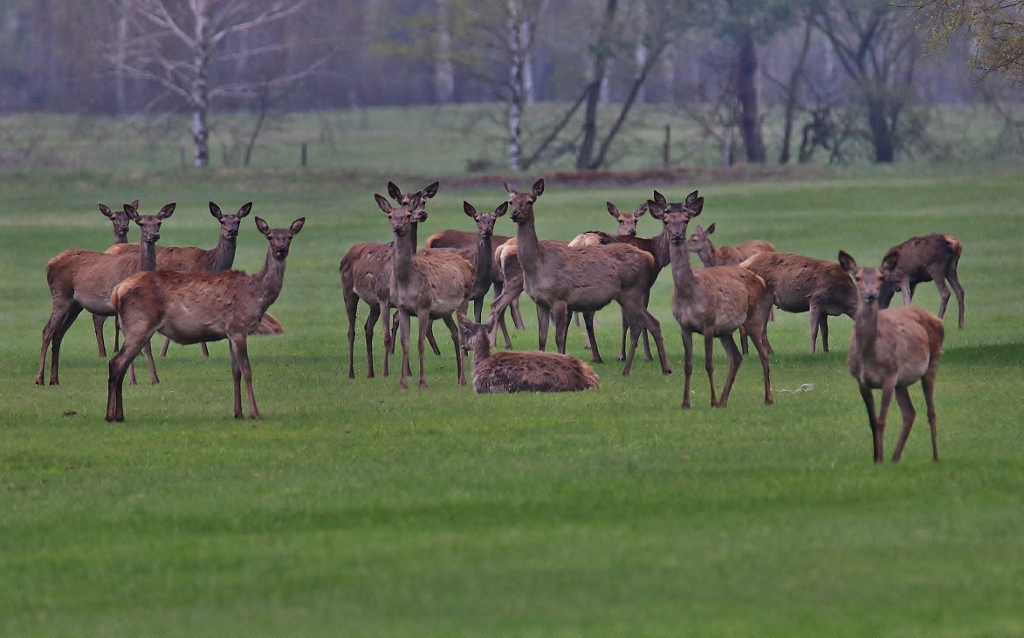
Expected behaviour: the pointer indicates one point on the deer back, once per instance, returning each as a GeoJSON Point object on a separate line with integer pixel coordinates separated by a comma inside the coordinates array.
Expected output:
{"type": "Point", "coordinates": [533, 372]}
{"type": "Point", "coordinates": [89, 276]}
{"type": "Point", "coordinates": [796, 280]}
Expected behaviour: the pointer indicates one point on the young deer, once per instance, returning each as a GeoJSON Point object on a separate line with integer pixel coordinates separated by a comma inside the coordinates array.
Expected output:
{"type": "Point", "coordinates": [806, 284]}
{"type": "Point", "coordinates": [83, 279]}
{"type": "Point", "coordinates": [892, 350]}
{"type": "Point", "coordinates": [121, 223]}
{"type": "Point", "coordinates": [190, 307]}
{"type": "Point", "coordinates": [714, 302]}
{"type": "Point", "coordinates": [430, 284]}
{"type": "Point", "coordinates": [561, 279]}
{"type": "Point", "coordinates": [366, 275]}
{"type": "Point", "coordinates": [700, 244]}
{"type": "Point", "coordinates": [929, 258]}
{"type": "Point", "coordinates": [522, 371]}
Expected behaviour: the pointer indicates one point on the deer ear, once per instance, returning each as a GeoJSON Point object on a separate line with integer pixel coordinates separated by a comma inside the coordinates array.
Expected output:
{"type": "Point", "coordinates": [697, 207]}
{"type": "Point", "coordinates": [711, 228]}
{"type": "Point", "coordinates": [847, 262]}
{"type": "Point", "coordinates": [613, 210]}
{"type": "Point", "coordinates": [216, 212]}
{"type": "Point", "coordinates": [492, 320]}
{"type": "Point", "coordinates": [889, 262]}
{"type": "Point", "coordinates": [691, 199]}
{"type": "Point", "coordinates": [538, 187]}
{"type": "Point", "coordinates": [166, 211]}
{"type": "Point", "coordinates": [394, 191]}
{"type": "Point", "coordinates": [132, 212]}
{"type": "Point", "coordinates": [640, 210]}
{"type": "Point", "coordinates": [655, 210]}
{"type": "Point", "coordinates": [431, 190]}
{"type": "Point", "coordinates": [501, 209]}
{"type": "Point", "coordinates": [464, 321]}
{"type": "Point", "coordinates": [244, 210]}
{"type": "Point", "coordinates": [106, 210]}
{"type": "Point", "coordinates": [699, 231]}
{"type": "Point", "coordinates": [469, 210]}
{"type": "Point", "coordinates": [136, 204]}
{"type": "Point", "coordinates": [297, 226]}
{"type": "Point", "coordinates": [262, 227]}
{"type": "Point", "coordinates": [508, 187]}
{"type": "Point", "coordinates": [382, 202]}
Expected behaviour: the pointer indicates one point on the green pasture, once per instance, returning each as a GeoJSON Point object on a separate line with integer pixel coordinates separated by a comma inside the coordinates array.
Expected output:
{"type": "Point", "coordinates": [356, 509]}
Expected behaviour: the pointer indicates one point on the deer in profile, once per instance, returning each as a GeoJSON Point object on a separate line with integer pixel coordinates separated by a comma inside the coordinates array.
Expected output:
{"type": "Point", "coordinates": [806, 284]}
{"type": "Point", "coordinates": [521, 371]}
{"type": "Point", "coordinates": [713, 302]}
{"type": "Point", "coordinates": [561, 279]}
{"type": "Point", "coordinates": [428, 284]}
{"type": "Point", "coordinates": [928, 258]}
{"type": "Point", "coordinates": [700, 244]}
{"type": "Point", "coordinates": [366, 275]}
{"type": "Point", "coordinates": [190, 307]}
{"type": "Point", "coordinates": [891, 350]}
{"type": "Point", "coordinates": [82, 279]}
{"type": "Point", "coordinates": [121, 223]}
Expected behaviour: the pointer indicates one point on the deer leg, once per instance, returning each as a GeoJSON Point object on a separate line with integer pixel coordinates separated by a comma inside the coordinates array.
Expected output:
{"type": "Point", "coordinates": [236, 377]}
{"type": "Point", "coordinates": [351, 308]}
{"type": "Point", "coordinates": [117, 367]}
{"type": "Point", "coordinates": [815, 316]}
{"type": "Point", "coordinates": [588, 321]}
{"type": "Point", "coordinates": [543, 318]}
{"type": "Point", "coordinates": [823, 324]}
{"type": "Point", "coordinates": [504, 332]}
{"type": "Point", "coordinates": [148, 349]}
{"type": "Point", "coordinates": [163, 350]}
{"type": "Point", "coordinates": [907, 408]}
{"type": "Point", "coordinates": [709, 363]}
{"type": "Point", "coordinates": [384, 310]}
{"type": "Point", "coordinates": [876, 431]}
{"type": "Point", "coordinates": [735, 360]}
{"type": "Point", "coordinates": [431, 339]}
{"type": "Point", "coordinates": [687, 365]}
{"type": "Point", "coordinates": [97, 326]}
{"type": "Point", "coordinates": [560, 314]}
{"type": "Point", "coordinates": [928, 385]}
{"type": "Point", "coordinates": [48, 332]}
{"type": "Point", "coordinates": [371, 323]}
{"type": "Point", "coordinates": [958, 290]}
{"type": "Point", "coordinates": [888, 390]}
{"type": "Point", "coordinates": [517, 316]}
{"type": "Point", "coordinates": [423, 322]}
{"type": "Point", "coordinates": [654, 328]}
{"type": "Point", "coordinates": [242, 356]}
{"type": "Point", "coordinates": [456, 341]}
{"type": "Point", "coordinates": [206, 351]}
{"type": "Point", "coordinates": [625, 327]}
{"type": "Point", "coordinates": [944, 294]}
{"type": "Point", "coordinates": [69, 318]}
{"type": "Point", "coordinates": [403, 322]}
{"type": "Point", "coordinates": [646, 332]}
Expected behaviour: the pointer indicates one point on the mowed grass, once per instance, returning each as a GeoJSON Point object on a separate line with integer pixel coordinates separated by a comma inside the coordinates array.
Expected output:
{"type": "Point", "coordinates": [353, 508]}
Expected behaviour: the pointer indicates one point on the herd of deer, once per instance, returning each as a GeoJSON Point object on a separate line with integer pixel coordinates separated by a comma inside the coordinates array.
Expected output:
{"type": "Point", "coordinates": [194, 297]}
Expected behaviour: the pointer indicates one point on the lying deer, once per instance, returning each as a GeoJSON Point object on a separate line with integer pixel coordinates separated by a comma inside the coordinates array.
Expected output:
{"type": "Point", "coordinates": [561, 279]}
{"type": "Point", "coordinates": [714, 302]}
{"type": "Point", "coordinates": [83, 279]}
{"type": "Point", "coordinates": [430, 284]}
{"type": "Point", "coordinates": [929, 258]}
{"type": "Point", "coordinates": [892, 350]}
{"type": "Point", "coordinates": [190, 307]}
{"type": "Point", "coordinates": [806, 284]}
{"type": "Point", "coordinates": [522, 371]}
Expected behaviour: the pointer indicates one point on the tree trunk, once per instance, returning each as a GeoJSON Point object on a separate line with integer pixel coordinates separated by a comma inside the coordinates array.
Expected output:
{"type": "Point", "coordinates": [881, 131]}
{"type": "Point", "coordinates": [594, 92]}
{"type": "Point", "coordinates": [444, 72]}
{"type": "Point", "coordinates": [791, 95]}
{"type": "Point", "coordinates": [746, 92]}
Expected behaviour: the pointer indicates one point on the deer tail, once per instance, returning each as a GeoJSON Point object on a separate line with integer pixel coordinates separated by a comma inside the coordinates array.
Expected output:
{"type": "Point", "coordinates": [269, 325]}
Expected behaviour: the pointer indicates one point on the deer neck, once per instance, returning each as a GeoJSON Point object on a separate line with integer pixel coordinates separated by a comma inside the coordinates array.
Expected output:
{"type": "Point", "coordinates": [682, 272]}
{"type": "Point", "coordinates": [224, 254]}
{"type": "Point", "coordinates": [528, 246]}
{"type": "Point", "coordinates": [865, 327]}
{"type": "Point", "coordinates": [662, 250]}
{"type": "Point", "coordinates": [484, 258]}
{"type": "Point", "coordinates": [268, 282]}
{"type": "Point", "coordinates": [147, 255]}
{"type": "Point", "coordinates": [481, 351]}
{"type": "Point", "coordinates": [402, 250]}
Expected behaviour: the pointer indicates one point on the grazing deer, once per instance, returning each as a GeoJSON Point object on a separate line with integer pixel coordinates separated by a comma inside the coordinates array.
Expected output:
{"type": "Point", "coordinates": [522, 371]}
{"type": "Point", "coordinates": [892, 350]}
{"type": "Point", "coordinates": [714, 302]}
{"type": "Point", "coordinates": [366, 275]}
{"type": "Point", "coordinates": [190, 307]}
{"type": "Point", "coordinates": [806, 284]}
{"type": "Point", "coordinates": [430, 284]}
{"type": "Point", "coordinates": [121, 223]}
{"type": "Point", "coordinates": [700, 244]}
{"type": "Point", "coordinates": [83, 279]}
{"type": "Point", "coordinates": [929, 258]}
{"type": "Point", "coordinates": [561, 279]}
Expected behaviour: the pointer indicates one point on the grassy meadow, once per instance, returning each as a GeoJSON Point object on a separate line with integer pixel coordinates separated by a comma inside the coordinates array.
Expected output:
{"type": "Point", "coordinates": [356, 509]}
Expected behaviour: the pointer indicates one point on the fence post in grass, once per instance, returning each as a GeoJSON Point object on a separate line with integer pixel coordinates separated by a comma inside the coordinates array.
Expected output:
{"type": "Point", "coordinates": [668, 144]}
{"type": "Point", "coordinates": [303, 154]}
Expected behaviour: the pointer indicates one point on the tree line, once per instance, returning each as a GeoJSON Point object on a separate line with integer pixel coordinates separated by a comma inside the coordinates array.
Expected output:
{"type": "Point", "coordinates": [833, 69]}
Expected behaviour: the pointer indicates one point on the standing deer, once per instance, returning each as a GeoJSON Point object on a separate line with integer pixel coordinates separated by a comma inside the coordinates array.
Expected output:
{"type": "Point", "coordinates": [892, 350]}
{"type": "Point", "coordinates": [430, 284]}
{"type": "Point", "coordinates": [561, 279]}
{"type": "Point", "coordinates": [700, 243]}
{"type": "Point", "coordinates": [714, 302]}
{"type": "Point", "coordinates": [190, 307]}
{"type": "Point", "coordinates": [482, 257]}
{"type": "Point", "coordinates": [366, 275]}
{"type": "Point", "coordinates": [929, 258]}
{"type": "Point", "coordinates": [806, 284]}
{"type": "Point", "coordinates": [83, 279]}
{"type": "Point", "coordinates": [522, 371]}
{"type": "Point", "coordinates": [121, 223]}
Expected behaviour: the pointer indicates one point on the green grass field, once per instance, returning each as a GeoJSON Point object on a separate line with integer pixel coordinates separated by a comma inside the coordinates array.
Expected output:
{"type": "Point", "coordinates": [356, 509]}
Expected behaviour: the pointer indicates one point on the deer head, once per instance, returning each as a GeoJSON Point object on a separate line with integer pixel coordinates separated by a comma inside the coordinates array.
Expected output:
{"type": "Point", "coordinates": [402, 217]}
{"type": "Point", "coordinates": [627, 221]}
{"type": "Point", "coordinates": [675, 216]}
{"type": "Point", "coordinates": [485, 221]}
{"type": "Point", "coordinates": [120, 220]}
{"type": "Point", "coordinates": [424, 194]}
{"type": "Point", "coordinates": [149, 224]}
{"type": "Point", "coordinates": [280, 238]}
{"type": "Point", "coordinates": [869, 280]}
{"type": "Point", "coordinates": [229, 223]}
{"type": "Point", "coordinates": [521, 204]}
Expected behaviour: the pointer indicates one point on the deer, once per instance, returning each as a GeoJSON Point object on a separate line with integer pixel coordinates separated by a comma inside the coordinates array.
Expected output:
{"type": "Point", "coordinates": [700, 244]}
{"type": "Point", "coordinates": [83, 279]}
{"type": "Point", "coordinates": [521, 371]}
{"type": "Point", "coordinates": [714, 302]}
{"type": "Point", "coordinates": [806, 284]}
{"type": "Point", "coordinates": [891, 350]}
{"type": "Point", "coordinates": [584, 279]}
{"type": "Point", "coordinates": [927, 258]}
{"type": "Point", "coordinates": [121, 223]}
{"type": "Point", "coordinates": [191, 307]}
{"type": "Point", "coordinates": [430, 284]}
{"type": "Point", "coordinates": [366, 275]}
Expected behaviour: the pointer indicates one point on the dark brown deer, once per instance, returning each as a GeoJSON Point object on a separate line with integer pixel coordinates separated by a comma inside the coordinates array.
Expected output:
{"type": "Point", "coordinates": [522, 371]}
{"type": "Point", "coordinates": [561, 279]}
{"type": "Point", "coordinates": [806, 284]}
{"type": "Point", "coordinates": [892, 350]}
{"type": "Point", "coordinates": [929, 258]}
{"type": "Point", "coordinates": [121, 223]}
{"type": "Point", "coordinates": [713, 302]}
{"type": "Point", "coordinates": [700, 244]}
{"type": "Point", "coordinates": [366, 275]}
{"type": "Point", "coordinates": [191, 307]}
{"type": "Point", "coordinates": [430, 284]}
{"type": "Point", "coordinates": [83, 279]}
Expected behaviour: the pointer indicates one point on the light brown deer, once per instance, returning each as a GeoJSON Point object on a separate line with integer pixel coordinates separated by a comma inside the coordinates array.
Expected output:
{"type": "Point", "coordinates": [700, 244]}
{"type": "Point", "coordinates": [366, 275]}
{"type": "Point", "coordinates": [121, 223]}
{"type": "Point", "coordinates": [522, 371]}
{"type": "Point", "coordinates": [626, 226]}
{"type": "Point", "coordinates": [190, 307]}
{"type": "Point", "coordinates": [892, 350]}
{"type": "Point", "coordinates": [430, 284]}
{"type": "Point", "coordinates": [929, 258]}
{"type": "Point", "coordinates": [806, 284]}
{"type": "Point", "coordinates": [561, 279]}
{"type": "Point", "coordinates": [83, 279]}
{"type": "Point", "coordinates": [713, 302]}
